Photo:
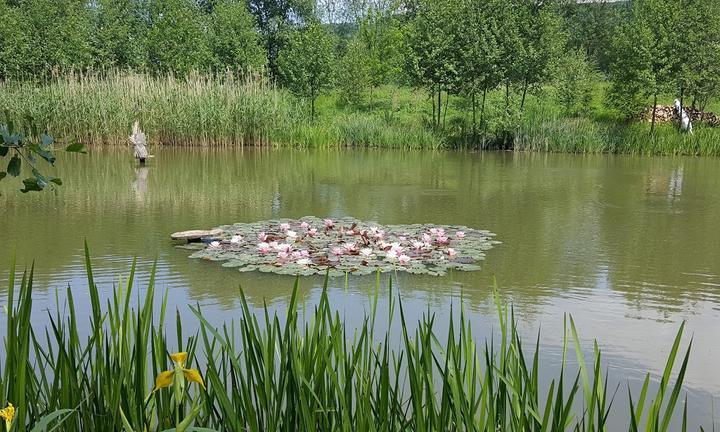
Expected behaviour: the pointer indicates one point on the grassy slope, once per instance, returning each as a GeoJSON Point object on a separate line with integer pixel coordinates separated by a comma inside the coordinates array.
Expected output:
{"type": "Point", "coordinates": [215, 111]}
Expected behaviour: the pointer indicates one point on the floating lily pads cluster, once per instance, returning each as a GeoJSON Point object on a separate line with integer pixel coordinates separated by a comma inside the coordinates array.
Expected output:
{"type": "Point", "coordinates": [311, 246]}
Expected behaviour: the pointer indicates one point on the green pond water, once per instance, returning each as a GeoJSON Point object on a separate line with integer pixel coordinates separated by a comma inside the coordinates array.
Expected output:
{"type": "Point", "coordinates": [629, 246]}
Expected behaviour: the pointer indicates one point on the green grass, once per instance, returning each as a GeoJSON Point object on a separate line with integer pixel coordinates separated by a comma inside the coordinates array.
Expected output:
{"type": "Point", "coordinates": [266, 372]}
{"type": "Point", "coordinates": [218, 110]}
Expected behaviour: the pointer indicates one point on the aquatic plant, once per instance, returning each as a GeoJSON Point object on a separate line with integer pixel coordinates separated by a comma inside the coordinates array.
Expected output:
{"type": "Point", "coordinates": [311, 246]}
{"type": "Point", "coordinates": [266, 372]}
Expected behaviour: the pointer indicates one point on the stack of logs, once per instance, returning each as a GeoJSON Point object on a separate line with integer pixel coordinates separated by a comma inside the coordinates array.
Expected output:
{"type": "Point", "coordinates": [666, 114]}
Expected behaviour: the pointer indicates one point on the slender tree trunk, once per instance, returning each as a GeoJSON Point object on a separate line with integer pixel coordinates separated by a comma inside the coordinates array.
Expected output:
{"type": "Point", "coordinates": [312, 103]}
{"type": "Point", "coordinates": [474, 119]}
{"type": "Point", "coordinates": [482, 110]}
{"type": "Point", "coordinates": [447, 99]}
{"type": "Point", "coordinates": [652, 125]}
{"type": "Point", "coordinates": [439, 101]}
{"type": "Point", "coordinates": [682, 95]}
{"type": "Point", "coordinates": [507, 95]}
{"type": "Point", "coordinates": [522, 102]}
{"type": "Point", "coordinates": [432, 98]}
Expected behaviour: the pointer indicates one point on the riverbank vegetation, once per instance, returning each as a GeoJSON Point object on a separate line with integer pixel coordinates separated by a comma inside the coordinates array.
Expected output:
{"type": "Point", "coordinates": [523, 75]}
{"type": "Point", "coordinates": [115, 371]}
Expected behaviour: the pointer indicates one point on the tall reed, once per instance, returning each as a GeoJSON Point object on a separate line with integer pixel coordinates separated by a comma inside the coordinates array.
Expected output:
{"type": "Point", "coordinates": [285, 373]}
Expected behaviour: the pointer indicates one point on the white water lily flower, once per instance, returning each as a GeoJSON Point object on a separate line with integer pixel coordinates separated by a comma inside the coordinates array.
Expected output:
{"type": "Point", "coordinates": [284, 226]}
{"type": "Point", "coordinates": [215, 244]}
{"type": "Point", "coordinates": [391, 255]}
{"type": "Point", "coordinates": [366, 252]}
{"type": "Point", "coordinates": [304, 261]}
{"type": "Point", "coordinates": [263, 247]}
{"type": "Point", "coordinates": [236, 239]}
{"type": "Point", "coordinates": [403, 259]}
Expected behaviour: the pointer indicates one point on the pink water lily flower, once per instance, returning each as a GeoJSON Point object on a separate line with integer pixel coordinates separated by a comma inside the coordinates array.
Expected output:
{"type": "Point", "coordinates": [282, 255]}
{"type": "Point", "coordinates": [283, 247]}
{"type": "Point", "coordinates": [403, 259]}
{"type": "Point", "coordinates": [329, 223]}
{"type": "Point", "coordinates": [417, 245]}
{"type": "Point", "coordinates": [304, 225]}
{"type": "Point", "coordinates": [262, 236]}
{"type": "Point", "coordinates": [391, 255]}
{"type": "Point", "coordinates": [460, 234]}
{"type": "Point", "coordinates": [451, 252]}
{"type": "Point", "coordinates": [395, 246]}
{"type": "Point", "coordinates": [350, 247]}
{"type": "Point", "coordinates": [426, 238]}
{"type": "Point", "coordinates": [312, 232]}
{"type": "Point", "coordinates": [338, 251]}
{"type": "Point", "coordinates": [443, 240]}
{"type": "Point", "coordinates": [263, 247]}
{"type": "Point", "coordinates": [284, 226]}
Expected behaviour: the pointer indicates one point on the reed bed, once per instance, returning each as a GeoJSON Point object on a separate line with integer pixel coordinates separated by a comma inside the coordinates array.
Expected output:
{"type": "Point", "coordinates": [266, 372]}
{"type": "Point", "coordinates": [197, 110]}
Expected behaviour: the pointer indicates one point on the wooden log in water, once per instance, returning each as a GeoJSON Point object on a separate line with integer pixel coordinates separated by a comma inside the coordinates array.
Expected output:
{"type": "Point", "coordinates": [195, 235]}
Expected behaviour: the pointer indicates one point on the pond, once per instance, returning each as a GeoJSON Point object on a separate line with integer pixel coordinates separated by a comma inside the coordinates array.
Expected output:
{"type": "Point", "coordinates": [630, 246]}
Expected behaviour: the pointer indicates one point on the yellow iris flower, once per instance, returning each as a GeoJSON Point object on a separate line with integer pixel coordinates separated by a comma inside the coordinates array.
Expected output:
{"type": "Point", "coordinates": [8, 414]}
{"type": "Point", "coordinates": [166, 378]}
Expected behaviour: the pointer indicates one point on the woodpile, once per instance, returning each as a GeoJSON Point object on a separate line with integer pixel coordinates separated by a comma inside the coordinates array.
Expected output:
{"type": "Point", "coordinates": [667, 114]}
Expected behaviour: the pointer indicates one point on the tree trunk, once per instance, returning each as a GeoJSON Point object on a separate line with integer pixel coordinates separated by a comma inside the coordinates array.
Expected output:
{"type": "Point", "coordinates": [682, 106]}
{"type": "Point", "coordinates": [507, 95]}
{"type": "Point", "coordinates": [522, 102]}
{"type": "Point", "coordinates": [652, 125]}
{"type": "Point", "coordinates": [432, 99]}
{"type": "Point", "coordinates": [447, 99]}
{"type": "Point", "coordinates": [312, 104]}
{"type": "Point", "coordinates": [439, 101]}
{"type": "Point", "coordinates": [474, 119]}
{"type": "Point", "coordinates": [482, 110]}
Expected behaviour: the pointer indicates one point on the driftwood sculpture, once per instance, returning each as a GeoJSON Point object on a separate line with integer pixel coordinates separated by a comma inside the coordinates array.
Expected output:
{"type": "Point", "coordinates": [139, 141]}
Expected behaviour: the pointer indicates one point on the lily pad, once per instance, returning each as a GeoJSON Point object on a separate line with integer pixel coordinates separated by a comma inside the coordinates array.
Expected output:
{"type": "Point", "coordinates": [310, 246]}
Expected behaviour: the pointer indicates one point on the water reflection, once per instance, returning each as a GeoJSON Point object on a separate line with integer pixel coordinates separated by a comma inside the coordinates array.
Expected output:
{"type": "Point", "coordinates": [629, 246]}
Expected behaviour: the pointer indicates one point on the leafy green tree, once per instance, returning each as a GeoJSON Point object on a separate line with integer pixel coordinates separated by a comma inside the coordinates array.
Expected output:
{"type": "Point", "coordinates": [59, 33]}
{"type": "Point", "coordinates": [381, 34]}
{"type": "Point", "coordinates": [355, 73]}
{"type": "Point", "coordinates": [15, 42]}
{"type": "Point", "coordinates": [307, 63]}
{"type": "Point", "coordinates": [276, 19]}
{"type": "Point", "coordinates": [433, 57]}
{"type": "Point", "coordinates": [698, 49]}
{"type": "Point", "coordinates": [233, 38]}
{"type": "Point", "coordinates": [542, 38]}
{"type": "Point", "coordinates": [646, 60]}
{"type": "Point", "coordinates": [177, 41]}
{"type": "Point", "coordinates": [120, 34]}
{"type": "Point", "coordinates": [574, 81]}
{"type": "Point", "coordinates": [479, 68]}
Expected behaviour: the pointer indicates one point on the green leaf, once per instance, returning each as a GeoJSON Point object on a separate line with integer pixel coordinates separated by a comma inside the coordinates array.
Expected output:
{"type": "Point", "coordinates": [32, 185]}
{"type": "Point", "coordinates": [44, 423]}
{"type": "Point", "coordinates": [55, 180]}
{"type": "Point", "coordinates": [45, 154]}
{"type": "Point", "coordinates": [76, 148]}
{"type": "Point", "coordinates": [3, 174]}
{"type": "Point", "coordinates": [3, 150]}
{"type": "Point", "coordinates": [13, 167]}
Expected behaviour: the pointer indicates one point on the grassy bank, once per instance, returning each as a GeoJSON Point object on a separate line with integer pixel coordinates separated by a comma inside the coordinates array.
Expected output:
{"type": "Point", "coordinates": [284, 373]}
{"type": "Point", "coordinates": [222, 110]}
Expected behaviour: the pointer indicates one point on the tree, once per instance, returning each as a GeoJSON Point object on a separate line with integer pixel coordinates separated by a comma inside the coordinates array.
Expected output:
{"type": "Point", "coordinates": [645, 56]}
{"type": "Point", "coordinates": [120, 34]}
{"type": "Point", "coordinates": [59, 35]}
{"type": "Point", "coordinates": [355, 73]}
{"type": "Point", "coordinates": [433, 57]}
{"type": "Point", "coordinates": [698, 49]}
{"type": "Point", "coordinates": [307, 63]}
{"type": "Point", "coordinates": [233, 38]}
{"type": "Point", "coordinates": [15, 42]}
{"type": "Point", "coordinates": [574, 80]}
{"type": "Point", "coordinates": [275, 20]}
{"type": "Point", "coordinates": [381, 34]}
{"type": "Point", "coordinates": [177, 41]}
